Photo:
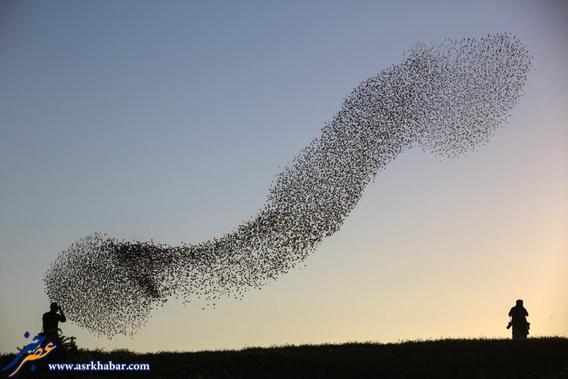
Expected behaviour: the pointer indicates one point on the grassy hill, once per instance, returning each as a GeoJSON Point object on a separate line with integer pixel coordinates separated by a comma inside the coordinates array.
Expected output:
{"type": "Point", "coordinates": [457, 358]}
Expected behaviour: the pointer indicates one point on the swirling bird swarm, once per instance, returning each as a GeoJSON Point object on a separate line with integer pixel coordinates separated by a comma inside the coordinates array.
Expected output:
{"type": "Point", "coordinates": [447, 98]}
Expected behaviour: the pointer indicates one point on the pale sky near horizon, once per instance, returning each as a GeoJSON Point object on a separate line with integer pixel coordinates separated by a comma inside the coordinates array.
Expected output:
{"type": "Point", "coordinates": [168, 121]}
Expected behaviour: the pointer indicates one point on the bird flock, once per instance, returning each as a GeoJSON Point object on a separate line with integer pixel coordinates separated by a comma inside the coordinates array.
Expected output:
{"type": "Point", "coordinates": [447, 98]}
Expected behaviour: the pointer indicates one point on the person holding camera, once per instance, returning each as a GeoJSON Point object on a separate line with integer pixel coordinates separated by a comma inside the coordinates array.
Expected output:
{"type": "Point", "coordinates": [519, 321]}
{"type": "Point", "coordinates": [51, 320]}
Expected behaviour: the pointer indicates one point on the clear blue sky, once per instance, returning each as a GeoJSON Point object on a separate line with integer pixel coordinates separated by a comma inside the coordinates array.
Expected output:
{"type": "Point", "coordinates": [168, 120]}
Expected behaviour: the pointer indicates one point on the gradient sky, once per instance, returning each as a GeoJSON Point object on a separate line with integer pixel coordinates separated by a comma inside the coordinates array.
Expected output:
{"type": "Point", "coordinates": [169, 120]}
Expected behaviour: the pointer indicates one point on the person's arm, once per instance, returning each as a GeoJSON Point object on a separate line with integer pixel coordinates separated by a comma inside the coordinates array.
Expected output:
{"type": "Point", "coordinates": [61, 316]}
{"type": "Point", "coordinates": [43, 323]}
{"type": "Point", "coordinates": [511, 312]}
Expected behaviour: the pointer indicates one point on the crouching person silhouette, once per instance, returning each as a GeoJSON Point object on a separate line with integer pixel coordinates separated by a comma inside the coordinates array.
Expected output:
{"type": "Point", "coordinates": [50, 323]}
{"type": "Point", "coordinates": [519, 321]}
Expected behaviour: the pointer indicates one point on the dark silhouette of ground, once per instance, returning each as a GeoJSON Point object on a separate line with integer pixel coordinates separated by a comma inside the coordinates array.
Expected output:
{"type": "Point", "coordinates": [465, 358]}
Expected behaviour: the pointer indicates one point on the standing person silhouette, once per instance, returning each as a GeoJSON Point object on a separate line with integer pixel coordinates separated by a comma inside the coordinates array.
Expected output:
{"type": "Point", "coordinates": [51, 321]}
{"type": "Point", "coordinates": [519, 321]}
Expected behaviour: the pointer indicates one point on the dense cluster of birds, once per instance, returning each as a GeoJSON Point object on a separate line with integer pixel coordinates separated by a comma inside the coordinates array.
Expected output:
{"type": "Point", "coordinates": [447, 98]}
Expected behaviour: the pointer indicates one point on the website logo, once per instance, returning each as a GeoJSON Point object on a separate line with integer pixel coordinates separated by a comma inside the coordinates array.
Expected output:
{"type": "Point", "coordinates": [39, 348]}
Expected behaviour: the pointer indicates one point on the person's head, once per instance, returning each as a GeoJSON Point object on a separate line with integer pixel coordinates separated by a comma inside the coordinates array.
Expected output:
{"type": "Point", "coordinates": [519, 303]}
{"type": "Point", "coordinates": [53, 307]}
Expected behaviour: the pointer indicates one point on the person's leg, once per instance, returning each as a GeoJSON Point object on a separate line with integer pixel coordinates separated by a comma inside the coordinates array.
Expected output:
{"type": "Point", "coordinates": [517, 334]}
